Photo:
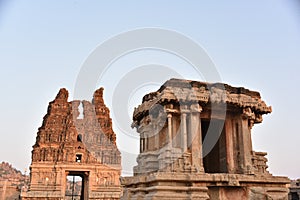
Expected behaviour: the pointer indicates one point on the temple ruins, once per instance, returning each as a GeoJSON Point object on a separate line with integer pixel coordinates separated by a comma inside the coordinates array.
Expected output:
{"type": "Point", "coordinates": [195, 143]}
{"type": "Point", "coordinates": [75, 155]}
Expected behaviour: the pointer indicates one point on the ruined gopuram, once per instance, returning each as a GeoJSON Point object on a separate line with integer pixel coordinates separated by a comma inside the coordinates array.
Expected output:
{"type": "Point", "coordinates": [195, 143]}
{"type": "Point", "coordinates": [75, 140]}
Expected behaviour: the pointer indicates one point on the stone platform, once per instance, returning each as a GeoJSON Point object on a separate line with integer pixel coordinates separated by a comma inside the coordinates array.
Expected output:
{"type": "Point", "coordinates": [184, 186]}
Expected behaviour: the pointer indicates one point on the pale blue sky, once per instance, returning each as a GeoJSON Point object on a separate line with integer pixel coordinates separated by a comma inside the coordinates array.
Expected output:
{"type": "Point", "coordinates": [255, 44]}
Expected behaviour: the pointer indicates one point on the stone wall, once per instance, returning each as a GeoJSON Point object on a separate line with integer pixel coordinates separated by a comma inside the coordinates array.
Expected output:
{"type": "Point", "coordinates": [75, 142]}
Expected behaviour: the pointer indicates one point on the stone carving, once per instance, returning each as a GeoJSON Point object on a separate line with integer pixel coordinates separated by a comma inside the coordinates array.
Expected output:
{"type": "Point", "coordinates": [294, 190]}
{"type": "Point", "coordinates": [199, 91]}
{"type": "Point", "coordinates": [260, 162]}
{"type": "Point", "coordinates": [195, 108]}
{"type": "Point", "coordinates": [217, 95]}
{"type": "Point", "coordinates": [69, 144]}
{"type": "Point", "coordinates": [249, 115]}
{"type": "Point", "coordinates": [177, 169]}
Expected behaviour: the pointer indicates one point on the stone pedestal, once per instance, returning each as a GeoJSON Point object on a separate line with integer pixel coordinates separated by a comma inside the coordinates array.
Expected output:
{"type": "Point", "coordinates": [163, 186]}
{"type": "Point", "coordinates": [186, 186]}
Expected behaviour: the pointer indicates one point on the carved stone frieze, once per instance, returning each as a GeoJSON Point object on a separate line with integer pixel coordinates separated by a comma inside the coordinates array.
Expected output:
{"type": "Point", "coordinates": [76, 138]}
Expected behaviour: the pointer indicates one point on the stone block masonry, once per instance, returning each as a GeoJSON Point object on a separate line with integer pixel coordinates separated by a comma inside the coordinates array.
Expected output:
{"type": "Point", "coordinates": [177, 123]}
{"type": "Point", "coordinates": [68, 145]}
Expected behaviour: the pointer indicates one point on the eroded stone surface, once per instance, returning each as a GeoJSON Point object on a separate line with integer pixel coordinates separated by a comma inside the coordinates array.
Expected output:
{"type": "Point", "coordinates": [74, 143]}
{"type": "Point", "coordinates": [294, 193]}
{"type": "Point", "coordinates": [175, 125]}
{"type": "Point", "coordinates": [11, 182]}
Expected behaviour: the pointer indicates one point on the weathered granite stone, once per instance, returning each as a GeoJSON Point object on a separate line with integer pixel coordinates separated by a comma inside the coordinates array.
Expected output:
{"type": "Point", "coordinates": [67, 144]}
{"type": "Point", "coordinates": [11, 182]}
{"type": "Point", "coordinates": [294, 193]}
{"type": "Point", "coordinates": [175, 125]}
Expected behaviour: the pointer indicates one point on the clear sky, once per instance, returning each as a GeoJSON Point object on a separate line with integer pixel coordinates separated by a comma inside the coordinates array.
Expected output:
{"type": "Point", "coordinates": [255, 44]}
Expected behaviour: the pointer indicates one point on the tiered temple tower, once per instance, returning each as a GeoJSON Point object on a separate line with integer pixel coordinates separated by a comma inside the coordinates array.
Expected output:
{"type": "Point", "coordinates": [70, 143]}
{"type": "Point", "coordinates": [195, 143]}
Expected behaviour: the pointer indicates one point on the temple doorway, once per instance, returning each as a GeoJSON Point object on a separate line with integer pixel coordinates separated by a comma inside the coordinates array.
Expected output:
{"type": "Point", "coordinates": [76, 185]}
{"type": "Point", "coordinates": [215, 160]}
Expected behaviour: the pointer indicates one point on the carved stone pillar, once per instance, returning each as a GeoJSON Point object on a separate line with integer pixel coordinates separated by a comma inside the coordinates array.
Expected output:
{"type": "Point", "coordinates": [195, 137]}
{"type": "Point", "coordinates": [183, 130]}
{"type": "Point", "coordinates": [141, 144]}
{"type": "Point", "coordinates": [246, 138]}
{"type": "Point", "coordinates": [146, 142]}
{"type": "Point", "coordinates": [156, 137]}
{"type": "Point", "coordinates": [230, 158]}
{"type": "Point", "coordinates": [246, 143]}
{"type": "Point", "coordinates": [170, 130]}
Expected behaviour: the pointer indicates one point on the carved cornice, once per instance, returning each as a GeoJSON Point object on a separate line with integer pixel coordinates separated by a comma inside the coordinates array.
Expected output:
{"type": "Point", "coordinates": [187, 92]}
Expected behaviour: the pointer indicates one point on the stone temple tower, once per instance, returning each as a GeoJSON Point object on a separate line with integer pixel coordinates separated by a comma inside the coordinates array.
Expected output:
{"type": "Point", "coordinates": [195, 143]}
{"type": "Point", "coordinates": [75, 144]}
